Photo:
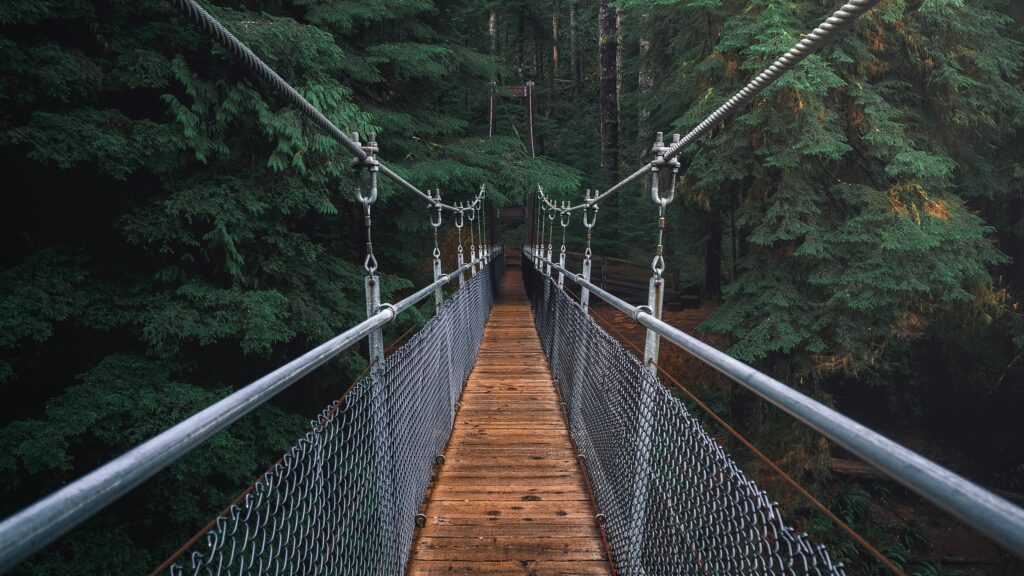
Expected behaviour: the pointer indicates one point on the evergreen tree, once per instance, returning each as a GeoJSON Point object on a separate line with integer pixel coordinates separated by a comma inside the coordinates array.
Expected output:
{"type": "Point", "coordinates": [175, 230]}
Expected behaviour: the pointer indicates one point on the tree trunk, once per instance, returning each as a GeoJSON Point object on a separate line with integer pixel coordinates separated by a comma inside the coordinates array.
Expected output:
{"type": "Point", "coordinates": [618, 62]}
{"type": "Point", "coordinates": [492, 29]}
{"type": "Point", "coordinates": [644, 83]}
{"type": "Point", "coordinates": [521, 32]}
{"type": "Point", "coordinates": [713, 257]}
{"type": "Point", "coordinates": [554, 41]}
{"type": "Point", "coordinates": [574, 57]}
{"type": "Point", "coordinates": [607, 56]}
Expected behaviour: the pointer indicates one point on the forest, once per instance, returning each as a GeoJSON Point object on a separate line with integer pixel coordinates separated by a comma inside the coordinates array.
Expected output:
{"type": "Point", "coordinates": [175, 230]}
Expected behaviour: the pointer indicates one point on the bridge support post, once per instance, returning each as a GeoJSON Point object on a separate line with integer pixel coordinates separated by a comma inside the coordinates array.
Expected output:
{"type": "Point", "coordinates": [547, 252]}
{"type": "Point", "coordinates": [459, 219]}
{"type": "Point", "coordinates": [472, 243]}
{"type": "Point", "coordinates": [589, 219]}
{"type": "Point", "coordinates": [435, 223]}
{"type": "Point", "coordinates": [376, 338]}
{"type": "Point", "coordinates": [655, 301]}
{"type": "Point", "coordinates": [561, 262]}
{"type": "Point", "coordinates": [584, 292]}
{"type": "Point", "coordinates": [439, 291]}
{"type": "Point", "coordinates": [563, 219]}
{"type": "Point", "coordinates": [656, 291]}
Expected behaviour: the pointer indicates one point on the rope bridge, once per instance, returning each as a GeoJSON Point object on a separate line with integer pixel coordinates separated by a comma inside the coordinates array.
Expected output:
{"type": "Point", "coordinates": [665, 497]}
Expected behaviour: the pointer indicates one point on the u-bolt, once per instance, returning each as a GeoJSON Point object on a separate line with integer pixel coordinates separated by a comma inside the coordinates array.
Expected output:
{"type": "Point", "coordinates": [660, 149]}
{"type": "Point", "coordinates": [589, 211]}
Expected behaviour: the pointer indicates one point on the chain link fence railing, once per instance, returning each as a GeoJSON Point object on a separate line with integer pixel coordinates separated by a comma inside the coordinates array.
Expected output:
{"type": "Point", "coordinates": [344, 499]}
{"type": "Point", "coordinates": [673, 501]}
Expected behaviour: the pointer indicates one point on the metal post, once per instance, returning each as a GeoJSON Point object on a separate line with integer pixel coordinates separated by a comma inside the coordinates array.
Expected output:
{"type": "Point", "coordinates": [471, 214]}
{"type": "Point", "coordinates": [372, 282]}
{"type": "Point", "coordinates": [656, 289]}
{"type": "Point", "coordinates": [375, 338]}
{"type": "Point", "coordinates": [542, 215]}
{"type": "Point", "coordinates": [563, 219]}
{"type": "Point", "coordinates": [485, 254]}
{"type": "Point", "coordinates": [584, 293]}
{"type": "Point", "coordinates": [435, 223]}
{"type": "Point", "coordinates": [589, 219]}
{"type": "Point", "coordinates": [458, 225]}
{"type": "Point", "coordinates": [550, 250]}
{"type": "Point", "coordinates": [655, 298]}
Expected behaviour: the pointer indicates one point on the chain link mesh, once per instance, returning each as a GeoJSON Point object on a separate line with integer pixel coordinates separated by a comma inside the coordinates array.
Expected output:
{"type": "Point", "coordinates": [673, 500]}
{"type": "Point", "coordinates": [345, 498]}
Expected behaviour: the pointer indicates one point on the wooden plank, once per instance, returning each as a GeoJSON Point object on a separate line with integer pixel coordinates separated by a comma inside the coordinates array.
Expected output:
{"type": "Point", "coordinates": [546, 493]}
{"type": "Point", "coordinates": [498, 548]}
{"type": "Point", "coordinates": [509, 568]}
{"type": "Point", "coordinates": [510, 497]}
{"type": "Point", "coordinates": [529, 530]}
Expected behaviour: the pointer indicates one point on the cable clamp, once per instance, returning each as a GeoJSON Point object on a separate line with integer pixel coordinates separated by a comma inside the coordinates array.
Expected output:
{"type": "Point", "coordinates": [391, 307]}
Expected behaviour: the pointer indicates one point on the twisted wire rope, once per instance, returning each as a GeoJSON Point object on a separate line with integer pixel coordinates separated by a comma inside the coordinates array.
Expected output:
{"type": "Point", "coordinates": [209, 25]}
{"type": "Point", "coordinates": [809, 44]}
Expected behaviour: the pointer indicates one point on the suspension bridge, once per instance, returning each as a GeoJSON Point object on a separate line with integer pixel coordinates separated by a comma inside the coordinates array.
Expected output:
{"type": "Point", "coordinates": [511, 434]}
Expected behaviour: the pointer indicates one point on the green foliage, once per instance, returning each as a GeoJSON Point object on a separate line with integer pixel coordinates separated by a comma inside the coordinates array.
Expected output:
{"type": "Point", "coordinates": [176, 231]}
{"type": "Point", "coordinates": [850, 197]}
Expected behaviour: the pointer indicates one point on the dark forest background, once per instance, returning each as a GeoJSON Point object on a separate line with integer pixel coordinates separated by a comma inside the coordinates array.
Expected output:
{"type": "Point", "coordinates": [171, 230]}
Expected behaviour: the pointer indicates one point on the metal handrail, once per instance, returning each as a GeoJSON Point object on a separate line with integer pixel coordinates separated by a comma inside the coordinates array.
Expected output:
{"type": "Point", "coordinates": [39, 524]}
{"type": "Point", "coordinates": [992, 515]}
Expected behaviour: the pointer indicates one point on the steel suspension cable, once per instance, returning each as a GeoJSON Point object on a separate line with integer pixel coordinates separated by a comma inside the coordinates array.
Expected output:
{"type": "Point", "coordinates": [257, 67]}
{"type": "Point", "coordinates": [837, 22]}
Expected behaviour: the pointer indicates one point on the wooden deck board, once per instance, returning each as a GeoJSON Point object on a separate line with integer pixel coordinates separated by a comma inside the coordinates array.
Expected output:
{"type": "Point", "coordinates": [510, 497]}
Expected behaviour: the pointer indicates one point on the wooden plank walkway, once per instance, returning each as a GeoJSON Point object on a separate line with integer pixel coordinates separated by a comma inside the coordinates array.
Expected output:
{"type": "Point", "coordinates": [510, 497]}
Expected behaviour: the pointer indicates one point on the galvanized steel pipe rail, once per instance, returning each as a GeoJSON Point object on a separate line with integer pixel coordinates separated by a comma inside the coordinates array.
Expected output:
{"type": "Point", "coordinates": [256, 66]}
{"type": "Point", "coordinates": [837, 22]}
{"type": "Point", "coordinates": [993, 516]}
{"type": "Point", "coordinates": [43, 522]}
